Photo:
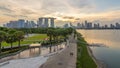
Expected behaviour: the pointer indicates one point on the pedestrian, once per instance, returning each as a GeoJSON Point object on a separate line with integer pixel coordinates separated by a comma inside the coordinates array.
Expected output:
{"type": "Point", "coordinates": [71, 53]}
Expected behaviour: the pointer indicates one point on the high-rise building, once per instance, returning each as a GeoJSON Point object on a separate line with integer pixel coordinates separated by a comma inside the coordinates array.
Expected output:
{"type": "Point", "coordinates": [112, 26]}
{"type": "Point", "coordinates": [21, 23]}
{"type": "Point", "coordinates": [97, 26]}
{"type": "Point", "coordinates": [88, 25]}
{"type": "Point", "coordinates": [78, 25]}
{"type": "Point", "coordinates": [33, 25]}
{"type": "Point", "coordinates": [52, 22]}
{"type": "Point", "coordinates": [40, 22]}
{"type": "Point", "coordinates": [46, 22]}
{"type": "Point", "coordinates": [66, 25]}
{"type": "Point", "coordinates": [117, 25]}
{"type": "Point", "coordinates": [30, 24]}
{"type": "Point", "coordinates": [106, 26]}
{"type": "Point", "coordinates": [83, 26]}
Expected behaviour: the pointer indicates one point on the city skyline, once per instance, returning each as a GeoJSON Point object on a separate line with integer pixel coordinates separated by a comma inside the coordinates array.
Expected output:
{"type": "Point", "coordinates": [64, 11]}
{"type": "Point", "coordinates": [42, 22]}
{"type": "Point", "coordinates": [45, 22]}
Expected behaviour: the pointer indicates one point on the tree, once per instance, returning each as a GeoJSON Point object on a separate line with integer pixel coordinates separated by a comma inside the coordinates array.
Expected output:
{"type": "Point", "coordinates": [2, 38]}
{"type": "Point", "coordinates": [55, 35]}
{"type": "Point", "coordinates": [11, 37]}
{"type": "Point", "coordinates": [65, 33]}
{"type": "Point", "coordinates": [19, 36]}
{"type": "Point", "coordinates": [50, 34]}
{"type": "Point", "coordinates": [70, 30]}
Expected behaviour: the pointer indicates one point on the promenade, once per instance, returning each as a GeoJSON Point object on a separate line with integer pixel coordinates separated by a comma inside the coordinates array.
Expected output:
{"type": "Point", "coordinates": [63, 59]}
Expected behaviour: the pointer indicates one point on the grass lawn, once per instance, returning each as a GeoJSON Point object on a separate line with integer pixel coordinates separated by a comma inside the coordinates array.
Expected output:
{"type": "Point", "coordinates": [83, 58]}
{"type": "Point", "coordinates": [29, 40]}
{"type": "Point", "coordinates": [37, 37]}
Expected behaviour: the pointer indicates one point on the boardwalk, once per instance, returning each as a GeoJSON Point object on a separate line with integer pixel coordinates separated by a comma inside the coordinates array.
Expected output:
{"type": "Point", "coordinates": [63, 59]}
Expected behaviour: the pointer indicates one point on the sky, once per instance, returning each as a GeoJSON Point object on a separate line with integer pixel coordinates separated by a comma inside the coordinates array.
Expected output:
{"type": "Point", "coordinates": [104, 11]}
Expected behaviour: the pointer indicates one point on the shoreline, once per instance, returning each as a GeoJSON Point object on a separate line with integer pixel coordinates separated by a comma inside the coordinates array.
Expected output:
{"type": "Point", "coordinates": [99, 63]}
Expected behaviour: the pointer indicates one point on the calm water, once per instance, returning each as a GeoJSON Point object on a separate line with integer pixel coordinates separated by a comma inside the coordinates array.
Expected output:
{"type": "Point", "coordinates": [34, 52]}
{"type": "Point", "coordinates": [111, 38]}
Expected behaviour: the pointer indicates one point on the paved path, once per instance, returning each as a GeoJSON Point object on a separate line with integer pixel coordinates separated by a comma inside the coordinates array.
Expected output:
{"type": "Point", "coordinates": [63, 59]}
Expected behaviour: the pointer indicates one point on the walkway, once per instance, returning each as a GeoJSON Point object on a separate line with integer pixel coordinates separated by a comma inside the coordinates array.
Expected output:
{"type": "Point", "coordinates": [63, 59]}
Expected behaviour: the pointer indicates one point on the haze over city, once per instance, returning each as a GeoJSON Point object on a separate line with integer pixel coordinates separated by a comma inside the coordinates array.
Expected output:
{"type": "Point", "coordinates": [103, 11]}
{"type": "Point", "coordinates": [59, 33]}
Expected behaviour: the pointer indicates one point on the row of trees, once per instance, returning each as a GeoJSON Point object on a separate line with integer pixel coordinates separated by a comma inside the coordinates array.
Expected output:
{"type": "Point", "coordinates": [55, 33]}
{"type": "Point", "coordinates": [14, 35]}
{"type": "Point", "coordinates": [40, 30]}
{"type": "Point", "coordinates": [10, 36]}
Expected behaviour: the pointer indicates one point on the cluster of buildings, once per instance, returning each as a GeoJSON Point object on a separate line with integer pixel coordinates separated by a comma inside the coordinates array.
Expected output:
{"type": "Point", "coordinates": [90, 25]}
{"type": "Point", "coordinates": [21, 23]}
{"type": "Point", "coordinates": [42, 22]}
{"type": "Point", "coordinates": [45, 22]}
{"type": "Point", "coordinates": [67, 25]}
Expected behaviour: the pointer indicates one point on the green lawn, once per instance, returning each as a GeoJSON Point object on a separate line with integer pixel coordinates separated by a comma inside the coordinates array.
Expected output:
{"type": "Point", "coordinates": [37, 37]}
{"type": "Point", "coordinates": [83, 58]}
{"type": "Point", "coordinates": [29, 40]}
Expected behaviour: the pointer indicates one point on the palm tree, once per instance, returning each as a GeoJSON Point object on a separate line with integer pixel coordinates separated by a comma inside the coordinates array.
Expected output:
{"type": "Point", "coordinates": [65, 33]}
{"type": "Point", "coordinates": [2, 38]}
{"type": "Point", "coordinates": [50, 34]}
{"type": "Point", "coordinates": [19, 36]}
{"type": "Point", "coordinates": [11, 37]}
{"type": "Point", "coordinates": [70, 30]}
{"type": "Point", "coordinates": [55, 34]}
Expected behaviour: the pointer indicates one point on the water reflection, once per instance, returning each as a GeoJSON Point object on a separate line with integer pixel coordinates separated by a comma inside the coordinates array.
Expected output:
{"type": "Point", "coordinates": [111, 38]}
{"type": "Point", "coordinates": [33, 52]}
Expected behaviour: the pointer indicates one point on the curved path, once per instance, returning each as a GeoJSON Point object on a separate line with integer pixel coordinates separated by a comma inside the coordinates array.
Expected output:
{"type": "Point", "coordinates": [63, 59]}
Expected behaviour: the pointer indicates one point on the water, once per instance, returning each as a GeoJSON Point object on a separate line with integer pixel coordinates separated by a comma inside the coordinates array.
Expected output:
{"type": "Point", "coordinates": [34, 52]}
{"type": "Point", "coordinates": [111, 38]}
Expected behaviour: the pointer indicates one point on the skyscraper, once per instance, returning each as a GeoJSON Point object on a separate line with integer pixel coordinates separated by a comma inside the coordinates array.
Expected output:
{"type": "Point", "coordinates": [21, 23]}
{"type": "Point", "coordinates": [46, 22]}
{"type": "Point", "coordinates": [40, 22]}
{"type": "Point", "coordinates": [52, 22]}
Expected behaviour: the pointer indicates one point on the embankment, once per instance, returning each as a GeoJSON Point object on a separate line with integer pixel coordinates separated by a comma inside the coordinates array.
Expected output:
{"type": "Point", "coordinates": [84, 60]}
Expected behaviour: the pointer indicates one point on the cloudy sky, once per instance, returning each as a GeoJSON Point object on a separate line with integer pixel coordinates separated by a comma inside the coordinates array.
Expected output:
{"type": "Point", "coordinates": [64, 10]}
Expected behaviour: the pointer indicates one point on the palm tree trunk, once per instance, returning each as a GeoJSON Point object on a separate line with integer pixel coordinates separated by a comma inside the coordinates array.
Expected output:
{"type": "Point", "coordinates": [19, 43]}
{"type": "Point", "coordinates": [50, 48]}
{"type": "Point", "coordinates": [11, 45]}
{"type": "Point", "coordinates": [50, 43]}
{"type": "Point", "coordinates": [50, 38]}
{"type": "Point", "coordinates": [0, 48]}
{"type": "Point", "coordinates": [54, 38]}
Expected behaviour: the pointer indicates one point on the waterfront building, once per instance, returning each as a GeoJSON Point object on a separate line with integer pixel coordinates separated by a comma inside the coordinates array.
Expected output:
{"type": "Point", "coordinates": [46, 22]}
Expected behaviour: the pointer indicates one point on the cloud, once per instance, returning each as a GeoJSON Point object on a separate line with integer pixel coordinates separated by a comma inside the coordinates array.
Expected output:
{"type": "Point", "coordinates": [68, 17]}
{"type": "Point", "coordinates": [32, 9]}
{"type": "Point", "coordinates": [52, 6]}
{"type": "Point", "coordinates": [14, 16]}
{"type": "Point", "coordinates": [72, 10]}
{"type": "Point", "coordinates": [5, 9]}
{"type": "Point", "coordinates": [80, 3]}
